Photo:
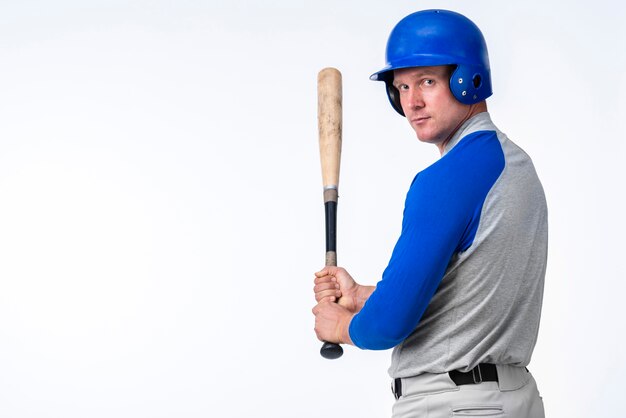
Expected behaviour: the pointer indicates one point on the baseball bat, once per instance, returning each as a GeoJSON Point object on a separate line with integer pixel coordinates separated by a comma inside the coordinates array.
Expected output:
{"type": "Point", "coordinates": [329, 119]}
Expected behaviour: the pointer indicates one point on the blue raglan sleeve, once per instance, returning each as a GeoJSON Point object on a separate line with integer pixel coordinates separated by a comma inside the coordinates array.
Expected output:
{"type": "Point", "coordinates": [441, 215]}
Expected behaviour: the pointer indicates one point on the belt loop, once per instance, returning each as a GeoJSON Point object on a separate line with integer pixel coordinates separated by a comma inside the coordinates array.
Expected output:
{"type": "Point", "coordinates": [480, 375]}
{"type": "Point", "coordinates": [396, 388]}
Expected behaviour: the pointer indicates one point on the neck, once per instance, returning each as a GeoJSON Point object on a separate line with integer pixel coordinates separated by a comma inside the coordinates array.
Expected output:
{"type": "Point", "coordinates": [472, 111]}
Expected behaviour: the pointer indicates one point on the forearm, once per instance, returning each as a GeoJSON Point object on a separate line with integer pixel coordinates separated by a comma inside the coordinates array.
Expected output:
{"type": "Point", "coordinates": [362, 295]}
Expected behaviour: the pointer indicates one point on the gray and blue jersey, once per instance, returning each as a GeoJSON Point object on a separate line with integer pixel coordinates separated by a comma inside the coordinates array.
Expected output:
{"type": "Point", "coordinates": [464, 284]}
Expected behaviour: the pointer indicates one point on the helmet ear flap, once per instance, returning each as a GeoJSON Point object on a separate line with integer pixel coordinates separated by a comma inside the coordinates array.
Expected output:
{"type": "Point", "coordinates": [394, 97]}
{"type": "Point", "coordinates": [470, 84]}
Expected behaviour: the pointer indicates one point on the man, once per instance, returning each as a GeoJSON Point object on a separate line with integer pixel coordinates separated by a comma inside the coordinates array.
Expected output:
{"type": "Point", "coordinates": [460, 300]}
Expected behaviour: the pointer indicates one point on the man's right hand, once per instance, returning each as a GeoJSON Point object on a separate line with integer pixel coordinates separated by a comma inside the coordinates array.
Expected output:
{"type": "Point", "coordinates": [336, 284]}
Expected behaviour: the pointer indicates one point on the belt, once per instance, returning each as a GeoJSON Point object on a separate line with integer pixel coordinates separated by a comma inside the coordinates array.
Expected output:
{"type": "Point", "coordinates": [484, 372]}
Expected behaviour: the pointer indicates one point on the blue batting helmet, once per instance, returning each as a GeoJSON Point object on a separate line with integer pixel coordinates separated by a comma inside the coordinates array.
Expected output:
{"type": "Point", "coordinates": [439, 37]}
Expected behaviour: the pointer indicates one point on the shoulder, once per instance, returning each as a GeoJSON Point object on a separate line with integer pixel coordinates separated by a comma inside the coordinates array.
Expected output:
{"type": "Point", "coordinates": [477, 159]}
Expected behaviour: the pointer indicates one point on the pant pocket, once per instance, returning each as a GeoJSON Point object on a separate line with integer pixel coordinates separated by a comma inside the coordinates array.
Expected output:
{"type": "Point", "coordinates": [482, 410]}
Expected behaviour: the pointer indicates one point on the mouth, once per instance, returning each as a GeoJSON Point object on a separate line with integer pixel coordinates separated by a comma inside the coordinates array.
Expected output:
{"type": "Point", "coordinates": [418, 120]}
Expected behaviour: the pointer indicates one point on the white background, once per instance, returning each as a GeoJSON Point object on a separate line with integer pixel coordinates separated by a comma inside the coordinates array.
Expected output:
{"type": "Point", "coordinates": [161, 210]}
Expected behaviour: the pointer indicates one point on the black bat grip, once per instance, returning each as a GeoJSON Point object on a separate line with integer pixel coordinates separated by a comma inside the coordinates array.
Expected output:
{"type": "Point", "coordinates": [331, 351]}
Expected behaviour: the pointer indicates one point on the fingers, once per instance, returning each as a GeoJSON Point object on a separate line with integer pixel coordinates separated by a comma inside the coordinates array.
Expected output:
{"type": "Point", "coordinates": [319, 307]}
{"type": "Point", "coordinates": [325, 285]}
{"type": "Point", "coordinates": [332, 322]}
{"type": "Point", "coordinates": [320, 321]}
{"type": "Point", "coordinates": [325, 279]}
{"type": "Point", "coordinates": [323, 272]}
{"type": "Point", "coordinates": [326, 288]}
{"type": "Point", "coordinates": [328, 271]}
{"type": "Point", "coordinates": [331, 295]}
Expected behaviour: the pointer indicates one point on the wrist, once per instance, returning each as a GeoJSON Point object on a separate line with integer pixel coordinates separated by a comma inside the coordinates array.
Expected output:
{"type": "Point", "coordinates": [345, 330]}
{"type": "Point", "coordinates": [362, 294]}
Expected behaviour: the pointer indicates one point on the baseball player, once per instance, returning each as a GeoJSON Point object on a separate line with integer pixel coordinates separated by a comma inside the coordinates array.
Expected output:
{"type": "Point", "coordinates": [460, 300]}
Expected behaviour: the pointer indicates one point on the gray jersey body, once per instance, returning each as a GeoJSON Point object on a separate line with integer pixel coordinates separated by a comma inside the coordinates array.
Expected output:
{"type": "Point", "coordinates": [488, 305]}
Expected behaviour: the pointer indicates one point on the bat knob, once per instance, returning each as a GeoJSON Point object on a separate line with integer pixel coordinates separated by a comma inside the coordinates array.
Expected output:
{"type": "Point", "coordinates": [331, 351]}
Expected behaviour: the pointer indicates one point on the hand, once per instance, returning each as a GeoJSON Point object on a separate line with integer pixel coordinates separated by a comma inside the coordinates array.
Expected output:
{"type": "Point", "coordinates": [335, 284]}
{"type": "Point", "coordinates": [332, 322]}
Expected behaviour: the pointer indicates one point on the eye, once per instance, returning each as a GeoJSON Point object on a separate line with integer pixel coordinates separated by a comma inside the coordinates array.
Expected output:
{"type": "Point", "coordinates": [402, 87]}
{"type": "Point", "coordinates": [428, 82]}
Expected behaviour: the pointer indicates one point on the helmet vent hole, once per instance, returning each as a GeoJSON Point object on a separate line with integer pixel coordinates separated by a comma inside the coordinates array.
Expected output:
{"type": "Point", "coordinates": [477, 80]}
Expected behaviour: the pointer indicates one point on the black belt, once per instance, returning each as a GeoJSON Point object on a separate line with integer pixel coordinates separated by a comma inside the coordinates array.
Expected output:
{"type": "Point", "coordinates": [484, 372]}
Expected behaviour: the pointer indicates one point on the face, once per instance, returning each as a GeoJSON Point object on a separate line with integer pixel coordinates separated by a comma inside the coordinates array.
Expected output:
{"type": "Point", "coordinates": [428, 104]}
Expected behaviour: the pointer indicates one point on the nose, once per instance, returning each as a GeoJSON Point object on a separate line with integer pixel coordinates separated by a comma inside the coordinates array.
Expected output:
{"type": "Point", "coordinates": [412, 99]}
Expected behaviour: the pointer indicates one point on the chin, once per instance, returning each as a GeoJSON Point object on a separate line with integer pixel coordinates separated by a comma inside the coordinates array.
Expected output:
{"type": "Point", "coordinates": [427, 138]}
